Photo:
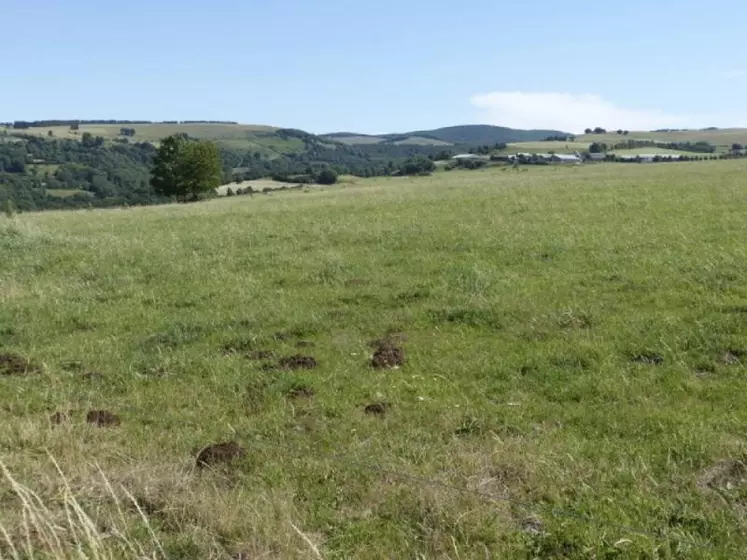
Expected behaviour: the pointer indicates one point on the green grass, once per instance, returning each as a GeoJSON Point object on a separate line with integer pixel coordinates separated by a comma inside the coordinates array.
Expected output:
{"type": "Point", "coordinates": [525, 298]}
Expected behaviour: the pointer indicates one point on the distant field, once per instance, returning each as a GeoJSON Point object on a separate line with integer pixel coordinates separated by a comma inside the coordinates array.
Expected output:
{"type": "Point", "coordinates": [42, 168]}
{"type": "Point", "coordinates": [652, 150]}
{"type": "Point", "coordinates": [724, 138]}
{"type": "Point", "coordinates": [358, 139]}
{"type": "Point", "coordinates": [257, 185]}
{"type": "Point", "coordinates": [545, 147]}
{"type": "Point", "coordinates": [547, 363]}
{"type": "Point", "coordinates": [66, 193]}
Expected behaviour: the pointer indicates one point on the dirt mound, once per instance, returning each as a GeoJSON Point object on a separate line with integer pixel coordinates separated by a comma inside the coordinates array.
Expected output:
{"type": "Point", "coordinates": [102, 418]}
{"type": "Point", "coordinates": [301, 392]}
{"type": "Point", "coordinates": [648, 358]}
{"type": "Point", "coordinates": [13, 364]}
{"type": "Point", "coordinates": [219, 453]}
{"type": "Point", "coordinates": [387, 355]}
{"type": "Point", "coordinates": [58, 418]}
{"type": "Point", "coordinates": [298, 362]}
{"type": "Point", "coordinates": [378, 409]}
{"type": "Point", "coordinates": [724, 475]}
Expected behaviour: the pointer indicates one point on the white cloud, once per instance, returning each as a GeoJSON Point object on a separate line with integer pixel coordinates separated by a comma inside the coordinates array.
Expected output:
{"type": "Point", "coordinates": [572, 112]}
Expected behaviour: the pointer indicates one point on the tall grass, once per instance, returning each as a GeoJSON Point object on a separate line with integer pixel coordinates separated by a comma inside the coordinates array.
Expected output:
{"type": "Point", "coordinates": [574, 344]}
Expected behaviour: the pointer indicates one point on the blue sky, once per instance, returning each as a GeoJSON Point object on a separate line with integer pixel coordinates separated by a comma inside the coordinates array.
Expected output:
{"type": "Point", "coordinates": [384, 66]}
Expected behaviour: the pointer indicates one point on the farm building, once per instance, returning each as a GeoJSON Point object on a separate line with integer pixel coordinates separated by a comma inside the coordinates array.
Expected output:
{"type": "Point", "coordinates": [597, 157]}
{"type": "Point", "coordinates": [565, 158]}
{"type": "Point", "coordinates": [649, 158]}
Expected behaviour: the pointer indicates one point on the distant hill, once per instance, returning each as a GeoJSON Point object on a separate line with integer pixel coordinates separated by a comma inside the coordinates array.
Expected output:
{"type": "Point", "coordinates": [469, 135]}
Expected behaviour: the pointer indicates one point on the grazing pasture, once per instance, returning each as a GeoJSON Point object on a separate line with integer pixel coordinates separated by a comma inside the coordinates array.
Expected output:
{"type": "Point", "coordinates": [546, 363]}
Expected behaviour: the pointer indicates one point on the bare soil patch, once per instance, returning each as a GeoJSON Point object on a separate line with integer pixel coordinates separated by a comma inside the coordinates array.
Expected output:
{"type": "Point", "coordinates": [377, 409]}
{"type": "Point", "coordinates": [218, 453]}
{"type": "Point", "coordinates": [102, 418]}
{"type": "Point", "coordinates": [724, 475]}
{"type": "Point", "coordinates": [13, 364]}
{"type": "Point", "coordinates": [298, 362]}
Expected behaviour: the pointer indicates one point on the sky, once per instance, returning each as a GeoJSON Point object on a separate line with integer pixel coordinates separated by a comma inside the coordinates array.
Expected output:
{"type": "Point", "coordinates": [376, 67]}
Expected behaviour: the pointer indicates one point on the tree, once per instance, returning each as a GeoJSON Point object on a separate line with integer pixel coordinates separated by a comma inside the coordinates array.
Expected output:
{"type": "Point", "coordinates": [600, 130]}
{"type": "Point", "coordinates": [50, 133]}
{"type": "Point", "coordinates": [588, 131]}
{"type": "Point", "coordinates": [736, 148]}
{"type": "Point", "coordinates": [184, 168]}
{"type": "Point", "coordinates": [597, 148]}
{"type": "Point", "coordinates": [326, 177]}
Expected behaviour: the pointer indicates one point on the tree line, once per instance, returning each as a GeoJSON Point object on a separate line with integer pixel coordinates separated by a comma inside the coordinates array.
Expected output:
{"type": "Point", "coordinates": [21, 125]}
{"type": "Point", "coordinates": [39, 173]}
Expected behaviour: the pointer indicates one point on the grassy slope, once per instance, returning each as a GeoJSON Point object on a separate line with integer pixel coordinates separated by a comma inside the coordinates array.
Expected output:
{"type": "Point", "coordinates": [250, 137]}
{"type": "Point", "coordinates": [523, 295]}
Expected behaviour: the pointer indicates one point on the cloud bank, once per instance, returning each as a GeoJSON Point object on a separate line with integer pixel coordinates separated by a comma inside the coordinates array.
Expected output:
{"type": "Point", "coordinates": [570, 112]}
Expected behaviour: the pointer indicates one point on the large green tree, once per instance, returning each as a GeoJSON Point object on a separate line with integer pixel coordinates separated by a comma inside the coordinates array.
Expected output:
{"type": "Point", "coordinates": [185, 168]}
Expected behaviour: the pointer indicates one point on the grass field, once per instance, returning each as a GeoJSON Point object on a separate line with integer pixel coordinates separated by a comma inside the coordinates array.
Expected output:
{"type": "Point", "coordinates": [571, 347]}
{"type": "Point", "coordinates": [545, 147]}
{"type": "Point", "coordinates": [66, 193]}
{"type": "Point", "coordinates": [722, 138]}
{"type": "Point", "coordinates": [652, 150]}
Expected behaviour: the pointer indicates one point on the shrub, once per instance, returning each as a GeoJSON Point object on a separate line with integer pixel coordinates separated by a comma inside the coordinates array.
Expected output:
{"type": "Point", "coordinates": [326, 177]}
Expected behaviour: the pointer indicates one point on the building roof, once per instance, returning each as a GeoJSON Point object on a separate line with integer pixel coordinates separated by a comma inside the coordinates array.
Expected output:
{"type": "Point", "coordinates": [567, 157]}
{"type": "Point", "coordinates": [469, 156]}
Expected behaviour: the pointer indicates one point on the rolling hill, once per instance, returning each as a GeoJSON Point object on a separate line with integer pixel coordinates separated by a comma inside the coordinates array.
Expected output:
{"type": "Point", "coordinates": [472, 135]}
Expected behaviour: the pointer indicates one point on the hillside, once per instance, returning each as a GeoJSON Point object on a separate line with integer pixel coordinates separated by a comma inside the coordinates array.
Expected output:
{"type": "Point", "coordinates": [266, 140]}
{"type": "Point", "coordinates": [103, 164]}
{"type": "Point", "coordinates": [467, 135]}
{"type": "Point", "coordinates": [549, 364]}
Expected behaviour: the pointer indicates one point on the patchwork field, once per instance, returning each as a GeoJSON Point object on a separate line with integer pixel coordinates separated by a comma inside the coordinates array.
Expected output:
{"type": "Point", "coordinates": [493, 364]}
